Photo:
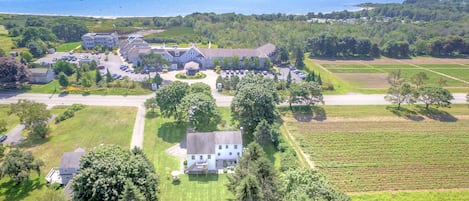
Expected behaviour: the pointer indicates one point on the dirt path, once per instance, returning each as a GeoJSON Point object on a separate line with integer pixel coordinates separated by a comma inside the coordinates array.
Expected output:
{"type": "Point", "coordinates": [407, 191]}
{"type": "Point", "coordinates": [292, 141]}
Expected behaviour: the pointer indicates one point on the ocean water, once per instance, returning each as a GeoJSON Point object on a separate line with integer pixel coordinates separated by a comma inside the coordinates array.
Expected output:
{"type": "Point", "coordinates": [114, 8]}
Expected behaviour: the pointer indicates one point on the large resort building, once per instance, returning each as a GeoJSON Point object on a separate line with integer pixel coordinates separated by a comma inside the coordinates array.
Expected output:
{"type": "Point", "coordinates": [134, 46]}
{"type": "Point", "coordinates": [107, 40]}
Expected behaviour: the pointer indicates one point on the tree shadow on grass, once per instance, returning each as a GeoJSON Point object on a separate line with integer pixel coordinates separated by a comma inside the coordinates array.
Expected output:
{"type": "Point", "coordinates": [309, 113]}
{"type": "Point", "coordinates": [32, 141]}
{"type": "Point", "coordinates": [405, 113]}
{"type": "Point", "coordinates": [203, 178]}
{"type": "Point", "coordinates": [21, 191]}
{"type": "Point", "coordinates": [151, 115]}
{"type": "Point", "coordinates": [436, 114]}
{"type": "Point", "coordinates": [172, 132]}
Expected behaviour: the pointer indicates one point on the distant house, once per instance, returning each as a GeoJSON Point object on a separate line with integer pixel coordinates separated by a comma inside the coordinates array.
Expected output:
{"type": "Point", "coordinates": [69, 166]}
{"type": "Point", "coordinates": [208, 152]}
{"type": "Point", "coordinates": [107, 40]}
{"type": "Point", "coordinates": [41, 75]}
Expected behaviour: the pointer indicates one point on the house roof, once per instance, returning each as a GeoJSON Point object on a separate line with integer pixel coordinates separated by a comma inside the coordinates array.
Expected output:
{"type": "Point", "coordinates": [35, 72]}
{"type": "Point", "coordinates": [72, 159]}
{"type": "Point", "coordinates": [228, 137]}
{"type": "Point", "coordinates": [204, 143]}
{"type": "Point", "coordinates": [200, 143]}
{"type": "Point", "coordinates": [263, 51]}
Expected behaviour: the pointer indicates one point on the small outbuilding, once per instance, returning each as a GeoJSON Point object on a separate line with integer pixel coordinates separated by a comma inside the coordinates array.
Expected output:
{"type": "Point", "coordinates": [191, 68]}
{"type": "Point", "coordinates": [41, 75]}
{"type": "Point", "coordinates": [69, 166]}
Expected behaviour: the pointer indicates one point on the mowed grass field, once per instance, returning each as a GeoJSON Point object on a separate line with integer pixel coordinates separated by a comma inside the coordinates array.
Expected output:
{"type": "Point", "coordinates": [89, 127]}
{"type": "Point", "coordinates": [371, 77]}
{"type": "Point", "coordinates": [67, 47]}
{"type": "Point", "coordinates": [161, 134]}
{"type": "Point", "coordinates": [370, 148]}
{"type": "Point", "coordinates": [11, 120]}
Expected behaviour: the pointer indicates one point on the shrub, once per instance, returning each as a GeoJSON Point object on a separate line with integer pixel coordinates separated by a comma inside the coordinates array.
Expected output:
{"type": "Point", "coordinates": [69, 113]}
{"type": "Point", "coordinates": [165, 70]}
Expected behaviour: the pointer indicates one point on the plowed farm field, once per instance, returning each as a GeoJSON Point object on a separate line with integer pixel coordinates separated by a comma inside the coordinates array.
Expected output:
{"type": "Point", "coordinates": [379, 151]}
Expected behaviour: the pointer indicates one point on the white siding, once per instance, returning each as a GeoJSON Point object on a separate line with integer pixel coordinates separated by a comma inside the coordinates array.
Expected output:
{"type": "Point", "coordinates": [226, 149]}
{"type": "Point", "coordinates": [211, 162]}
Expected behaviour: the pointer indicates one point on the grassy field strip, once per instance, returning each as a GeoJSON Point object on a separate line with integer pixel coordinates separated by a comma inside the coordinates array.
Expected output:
{"type": "Point", "coordinates": [340, 86]}
{"type": "Point", "coordinates": [302, 157]}
{"type": "Point", "coordinates": [371, 66]}
{"type": "Point", "coordinates": [442, 74]}
{"type": "Point", "coordinates": [430, 195]}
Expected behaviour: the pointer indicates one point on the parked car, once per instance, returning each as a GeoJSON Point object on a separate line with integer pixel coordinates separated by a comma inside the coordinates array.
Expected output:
{"type": "Point", "coordinates": [3, 138]}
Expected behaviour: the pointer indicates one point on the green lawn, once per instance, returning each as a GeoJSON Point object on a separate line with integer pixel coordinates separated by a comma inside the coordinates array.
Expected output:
{"type": "Point", "coordinates": [371, 148]}
{"type": "Point", "coordinates": [162, 133]}
{"type": "Point", "coordinates": [442, 66]}
{"type": "Point", "coordinates": [12, 120]}
{"type": "Point", "coordinates": [54, 87]}
{"type": "Point", "coordinates": [413, 196]}
{"type": "Point", "coordinates": [462, 74]}
{"type": "Point", "coordinates": [90, 127]}
{"type": "Point", "coordinates": [354, 70]}
{"type": "Point", "coordinates": [67, 47]}
{"type": "Point", "coordinates": [340, 87]}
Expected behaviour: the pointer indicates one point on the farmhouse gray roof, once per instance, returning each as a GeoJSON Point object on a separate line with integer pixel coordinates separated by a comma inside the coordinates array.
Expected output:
{"type": "Point", "coordinates": [39, 71]}
{"type": "Point", "coordinates": [204, 143]}
{"type": "Point", "coordinates": [72, 159]}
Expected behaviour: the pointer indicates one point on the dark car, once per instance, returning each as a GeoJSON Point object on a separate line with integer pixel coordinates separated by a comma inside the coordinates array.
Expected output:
{"type": "Point", "coordinates": [3, 138]}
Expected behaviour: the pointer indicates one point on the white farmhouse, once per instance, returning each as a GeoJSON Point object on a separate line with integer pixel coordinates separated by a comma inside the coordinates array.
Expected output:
{"type": "Point", "coordinates": [208, 152]}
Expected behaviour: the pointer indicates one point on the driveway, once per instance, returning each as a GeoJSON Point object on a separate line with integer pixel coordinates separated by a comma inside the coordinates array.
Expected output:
{"type": "Point", "coordinates": [14, 136]}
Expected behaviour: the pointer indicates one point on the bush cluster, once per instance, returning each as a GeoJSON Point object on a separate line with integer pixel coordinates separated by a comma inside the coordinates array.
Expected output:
{"type": "Point", "coordinates": [69, 113]}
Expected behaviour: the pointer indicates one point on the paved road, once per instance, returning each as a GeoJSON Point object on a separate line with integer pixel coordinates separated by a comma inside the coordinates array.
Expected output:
{"type": "Point", "coordinates": [137, 101]}
{"type": "Point", "coordinates": [222, 100]}
{"type": "Point", "coordinates": [14, 136]}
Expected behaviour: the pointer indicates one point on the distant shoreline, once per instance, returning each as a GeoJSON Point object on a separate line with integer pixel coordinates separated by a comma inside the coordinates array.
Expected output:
{"type": "Point", "coordinates": [357, 8]}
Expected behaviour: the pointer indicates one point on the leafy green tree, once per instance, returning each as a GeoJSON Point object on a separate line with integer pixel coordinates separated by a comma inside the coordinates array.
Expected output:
{"type": "Point", "coordinates": [200, 87]}
{"type": "Point", "coordinates": [254, 101]}
{"type": "Point", "coordinates": [234, 80]}
{"type": "Point", "coordinates": [37, 48]}
{"type": "Point", "coordinates": [200, 111]}
{"type": "Point", "coordinates": [78, 75]}
{"type": "Point", "coordinates": [169, 96]}
{"type": "Point", "coordinates": [86, 82]}
{"type": "Point", "coordinates": [254, 164]}
{"type": "Point", "coordinates": [131, 192]}
{"type": "Point", "coordinates": [63, 80]}
{"type": "Point", "coordinates": [12, 73]}
{"type": "Point", "coordinates": [63, 66]}
{"type": "Point", "coordinates": [314, 93]}
{"type": "Point", "coordinates": [308, 184]}
{"type": "Point", "coordinates": [69, 30]}
{"type": "Point", "coordinates": [249, 189]}
{"type": "Point", "coordinates": [152, 59]}
{"type": "Point", "coordinates": [26, 56]}
{"type": "Point", "coordinates": [108, 169]}
{"type": "Point", "coordinates": [235, 62]}
{"type": "Point", "coordinates": [108, 76]}
{"type": "Point", "coordinates": [319, 80]}
{"type": "Point", "coordinates": [257, 63]}
{"type": "Point", "coordinates": [433, 95]}
{"type": "Point", "coordinates": [225, 63]}
{"type": "Point", "coordinates": [246, 63]}
{"type": "Point", "coordinates": [18, 165]}
{"type": "Point", "coordinates": [33, 115]}
{"type": "Point", "coordinates": [265, 133]}
{"type": "Point", "coordinates": [418, 79]}
{"type": "Point", "coordinates": [289, 79]}
{"type": "Point", "coordinates": [98, 76]}
{"type": "Point", "coordinates": [216, 61]}
{"type": "Point", "coordinates": [299, 63]}
{"type": "Point", "coordinates": [151, 104]}
{"type": "Point", "coordinates": [296, 94]}
{"type": "Point", "coordinates": [400, 91]}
